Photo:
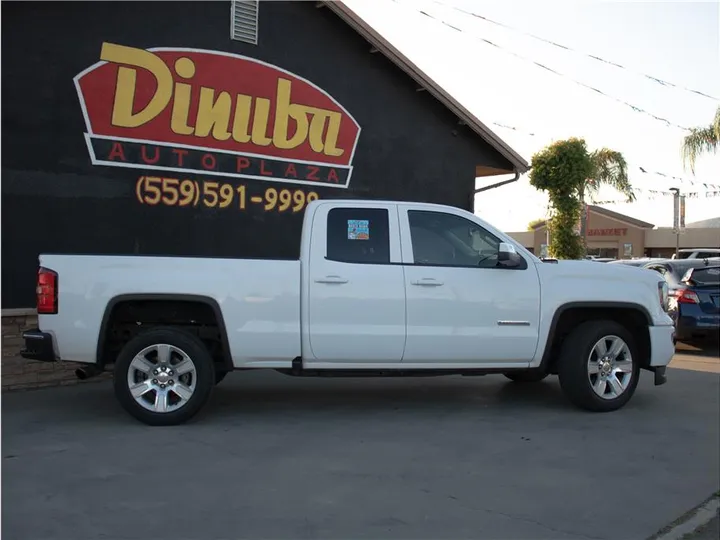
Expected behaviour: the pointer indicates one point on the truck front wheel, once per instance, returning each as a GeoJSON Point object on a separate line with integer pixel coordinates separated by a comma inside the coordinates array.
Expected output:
{"type": "Point", "coordinates": [164, 376]}
{"type": "Point", "coordinates": [598, 367]}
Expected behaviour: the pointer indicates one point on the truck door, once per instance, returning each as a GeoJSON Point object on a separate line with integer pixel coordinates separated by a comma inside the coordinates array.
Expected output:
{"type": "Point", "coordinates": [461, 306]}
{"type": "Point", "coordinates": [356, 288]}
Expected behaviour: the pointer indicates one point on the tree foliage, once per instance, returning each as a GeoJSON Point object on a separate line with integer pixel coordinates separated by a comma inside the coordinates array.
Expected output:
{"type": "Point", "coordinates": [562, 169]}
{"type": "Point", "coordinates": [701, 140]}
{"type": "Point", "coordinates": [609, 168]}
{"type": "Point", "coordinates": [535, 223]}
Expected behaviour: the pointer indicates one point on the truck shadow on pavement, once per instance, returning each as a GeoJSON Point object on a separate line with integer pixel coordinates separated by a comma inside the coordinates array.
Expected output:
{"type": "Point", "coordinates": [257, 395]}
{"type": "Point", "coordinates": [444, 395]}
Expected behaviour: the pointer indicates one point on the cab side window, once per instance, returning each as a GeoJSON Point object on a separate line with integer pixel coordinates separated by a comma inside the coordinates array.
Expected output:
{"type": "Point", "coordinates": [358, 235]}
{"type": "Point", "coordinates": [440, 239]}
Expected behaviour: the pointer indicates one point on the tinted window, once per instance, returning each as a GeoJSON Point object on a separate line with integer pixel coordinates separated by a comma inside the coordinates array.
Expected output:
{"type": "Point", "coordinates": [440, 239]}
{"type": "Point", "coordinates": [358, 235]}
{"type": "Point", "coordinates": [679, 268]}
{"type": "Point", "coordinates": [706, 276]}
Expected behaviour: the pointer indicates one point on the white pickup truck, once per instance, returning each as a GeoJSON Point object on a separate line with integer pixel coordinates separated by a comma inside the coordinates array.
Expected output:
{"type": "Point", "coordinates": [381, 289]}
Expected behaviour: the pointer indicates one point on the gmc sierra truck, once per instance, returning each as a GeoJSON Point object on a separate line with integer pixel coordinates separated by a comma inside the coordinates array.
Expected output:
{"type": "Point", "coordinates": [381, 288]}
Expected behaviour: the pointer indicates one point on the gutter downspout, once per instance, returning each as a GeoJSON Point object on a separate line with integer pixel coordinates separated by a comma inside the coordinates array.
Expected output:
{"type": "Point", "coordinates": [485, 188]}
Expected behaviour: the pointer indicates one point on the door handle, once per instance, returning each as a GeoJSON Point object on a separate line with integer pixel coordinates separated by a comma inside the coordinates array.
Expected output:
{"type": "Point", "coordinates": [331, 279]}
{"type": "Point", "coordinates": [427, 282]}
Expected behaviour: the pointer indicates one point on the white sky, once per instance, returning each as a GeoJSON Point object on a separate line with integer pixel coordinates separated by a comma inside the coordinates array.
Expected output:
{"type": "Point", "coordinates": [675, 41]}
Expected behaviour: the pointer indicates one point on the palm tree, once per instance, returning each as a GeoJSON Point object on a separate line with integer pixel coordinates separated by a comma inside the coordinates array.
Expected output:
{"type": "Point", "coordinates": [701, 140]}
{"type": "Point", "coordinates": [609, 168]}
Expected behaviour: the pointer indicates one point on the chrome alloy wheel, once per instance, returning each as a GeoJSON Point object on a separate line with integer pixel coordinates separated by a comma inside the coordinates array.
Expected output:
{"type": "Point", "coordinates": [610, 367]}
{"type": "Point", "coordinates": [162, 378]}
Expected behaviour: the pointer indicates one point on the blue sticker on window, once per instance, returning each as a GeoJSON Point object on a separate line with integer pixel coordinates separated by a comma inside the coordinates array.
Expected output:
{"type": "Point", "coordinates": [358, 229]}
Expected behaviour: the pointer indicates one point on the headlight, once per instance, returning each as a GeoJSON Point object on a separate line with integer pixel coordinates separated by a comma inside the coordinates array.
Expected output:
{"type": "Point", "coordinates": [663, 294]}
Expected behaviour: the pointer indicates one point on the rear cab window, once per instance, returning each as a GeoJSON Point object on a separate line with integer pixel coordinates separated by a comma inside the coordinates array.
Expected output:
{"type": "Point", "coordinates": [358, 235]}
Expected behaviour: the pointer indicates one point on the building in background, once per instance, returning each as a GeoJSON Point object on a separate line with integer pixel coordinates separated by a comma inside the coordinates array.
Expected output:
{"type": "Point", "coordinates": [712, 223]}
{"type": "Point", "coordinates": [205, 128]}
{"type": "Point", "coordinates": [615, 235]}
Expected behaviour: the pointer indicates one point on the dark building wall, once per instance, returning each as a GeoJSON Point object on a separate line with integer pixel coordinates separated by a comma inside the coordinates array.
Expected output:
{"type": "Point", "coordinates": [54, 200]}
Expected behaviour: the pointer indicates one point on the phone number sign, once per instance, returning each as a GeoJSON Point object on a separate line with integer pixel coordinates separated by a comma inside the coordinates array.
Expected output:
{"type": "Point", "coordinates": [188, 193]}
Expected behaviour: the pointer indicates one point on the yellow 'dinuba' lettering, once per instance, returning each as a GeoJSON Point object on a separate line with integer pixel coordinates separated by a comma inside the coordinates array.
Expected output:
{"type": "Point", "coordinates": [317, 127]}
{"type": "Point", "coordinates": [241, 123]}
{"type": "Point", "coordinates": [332, 136]}
{"type": "Point", "coordinates": [122, 114]}
{"type": "Point", "coordinates": [213, 114]}
{"type": "Point", "coordinates": [181, 109]}
{"type": "Point", "coordinates": [185, 68]}
{"type": "Point", "coordinates": [260, 122]}
{"type": "Point", "coordinates": [284, 110]}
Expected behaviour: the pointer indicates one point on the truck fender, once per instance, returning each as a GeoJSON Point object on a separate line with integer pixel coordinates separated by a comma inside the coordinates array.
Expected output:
{"type": "Point", "coordinates": [585, 305]}
{"type": "Point", "coordinates": [228, 363]}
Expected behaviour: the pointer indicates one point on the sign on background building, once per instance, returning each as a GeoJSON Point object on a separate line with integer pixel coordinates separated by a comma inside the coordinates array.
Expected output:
{"type": "Point", "coordinates": [218, 115]}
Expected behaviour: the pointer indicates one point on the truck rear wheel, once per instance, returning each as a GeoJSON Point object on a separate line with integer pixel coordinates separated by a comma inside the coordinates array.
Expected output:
{"type": "Point", "coordinates": [598, 366]}
{"type": "Point", "coordinates": [164, 376]}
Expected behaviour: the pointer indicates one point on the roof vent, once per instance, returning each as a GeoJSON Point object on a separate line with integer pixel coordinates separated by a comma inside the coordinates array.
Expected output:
{"type": "Point", "coordinates": [244, 20]}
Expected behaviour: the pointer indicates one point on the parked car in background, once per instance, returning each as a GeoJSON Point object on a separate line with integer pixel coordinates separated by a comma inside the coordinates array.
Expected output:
{"type": "Point", "coordinates": [694, 296]}
{"type": "Point", "coordinates": [697, 253]}
{"type": "Point", "coordinates": [636, 262]}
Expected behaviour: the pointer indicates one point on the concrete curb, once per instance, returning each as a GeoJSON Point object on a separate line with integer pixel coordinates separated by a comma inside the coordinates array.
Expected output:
{"type": "Point", "coordinates": [690, 521]}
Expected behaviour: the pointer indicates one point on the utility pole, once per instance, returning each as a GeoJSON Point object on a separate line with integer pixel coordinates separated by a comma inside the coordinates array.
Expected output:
{"type": "Point", "coordinates": [677, 203]}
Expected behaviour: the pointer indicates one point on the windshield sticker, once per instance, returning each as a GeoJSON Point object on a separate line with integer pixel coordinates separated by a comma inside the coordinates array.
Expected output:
{"type": "Point", "coordinates": [713, 271]}
{"type": "Point", "coordinates": [358, 229]}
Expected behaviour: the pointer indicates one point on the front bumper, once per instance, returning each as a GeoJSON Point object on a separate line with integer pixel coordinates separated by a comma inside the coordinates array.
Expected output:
{"type": "Point", "coordinates": [662, 348]}
{"type": "Point", "coordinates": [38, 346]}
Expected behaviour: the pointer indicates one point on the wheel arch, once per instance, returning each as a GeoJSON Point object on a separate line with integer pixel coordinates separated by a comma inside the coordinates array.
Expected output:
{"type": "Point", "coordinates": [118, 300]}
{"type": "Point", "coordinates": [561, 324]}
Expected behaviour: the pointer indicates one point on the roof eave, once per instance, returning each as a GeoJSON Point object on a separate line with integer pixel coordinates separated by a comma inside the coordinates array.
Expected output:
{"type": "Point", "coordinates": [621, 217]}
{"type": "Point", "coordinates": [403, 62]}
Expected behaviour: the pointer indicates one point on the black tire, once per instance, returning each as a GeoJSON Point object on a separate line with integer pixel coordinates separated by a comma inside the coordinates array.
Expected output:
{"type": "Point", "coordinates": [220, 375]}
{"type": "Point", "coordinates": [526, 376]}
{"type": "Point", "coordinates": [573, 370]}
{"type": "Point", "coordinates": [190, 345]}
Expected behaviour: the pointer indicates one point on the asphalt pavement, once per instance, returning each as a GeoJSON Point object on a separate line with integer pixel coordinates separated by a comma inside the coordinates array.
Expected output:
{"type": "Point", "coordinates": [284, 458]}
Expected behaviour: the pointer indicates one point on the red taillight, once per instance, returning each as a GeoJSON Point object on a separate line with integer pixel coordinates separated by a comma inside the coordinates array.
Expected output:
{"type": "Point", "coordinates": [684, 296]}
{"type": "Point", "coordinates": [47, 291]}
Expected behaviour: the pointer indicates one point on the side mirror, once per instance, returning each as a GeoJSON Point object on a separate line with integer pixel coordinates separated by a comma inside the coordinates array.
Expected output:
{"type": "Point", "coordinates": [507, 256]}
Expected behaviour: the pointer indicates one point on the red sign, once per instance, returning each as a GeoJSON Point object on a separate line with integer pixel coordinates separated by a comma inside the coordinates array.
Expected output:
{"type": "Point", "coordinates": [607, 232]}
{"type": "Point", "coordinates": [191, 110]}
